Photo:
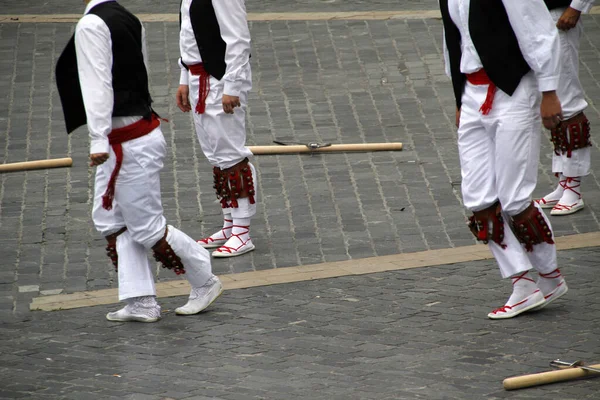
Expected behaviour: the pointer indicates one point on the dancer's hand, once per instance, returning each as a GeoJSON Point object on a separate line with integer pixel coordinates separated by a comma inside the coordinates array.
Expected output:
{"type": "Point", "coordinates": [229, 103]}
{"type": "Point", "coordinates": [551, 110]}
{"type": "Point", "coordinates": [98, 159]}
{"type": "Point", "coordinates": [183, 98]}
{"type": "Point", "coordinates": [457, 116]}
{"type": "Point", "coordinates": [568, 19]}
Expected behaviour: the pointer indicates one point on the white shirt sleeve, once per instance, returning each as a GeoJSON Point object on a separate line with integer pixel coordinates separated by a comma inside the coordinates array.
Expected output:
{"type": "Point", "coordinates": [538, 39]}
{"type": "Point", "coordinates": [184, 76]}
{"type": "Point", "coordinates": [582, 5]}
{"type": "Point", "coordinates": [94, 64]}
{"type": "Point", "coordinates": [232, 18]}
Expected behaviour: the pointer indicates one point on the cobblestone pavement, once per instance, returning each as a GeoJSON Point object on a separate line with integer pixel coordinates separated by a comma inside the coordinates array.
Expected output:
{"type": "Point", "coordinates": [399, 335]}
{"type": "Point", "coordinates": [171, 6]}
{"type": "Point", "coordinates": [329, 81]}
{"type": "Point", "coordinates": [412, 334]}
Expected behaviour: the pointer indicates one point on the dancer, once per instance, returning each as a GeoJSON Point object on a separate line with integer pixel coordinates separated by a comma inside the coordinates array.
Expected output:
{"type": "Point", "coordinates": [103, 81]}
{"type": "Point", "coordinates": [214, 42]}
{"type": "Point", "coordinates": [500, 55]}
{"type": "Point", "coordinates": [571, 138]}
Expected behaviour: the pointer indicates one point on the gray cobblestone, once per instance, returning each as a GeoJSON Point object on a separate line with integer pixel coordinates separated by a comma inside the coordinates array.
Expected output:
{"type": "Point", "coordinates": [328, 81]}
{"type": "Point", "coordinates": [406, 335]}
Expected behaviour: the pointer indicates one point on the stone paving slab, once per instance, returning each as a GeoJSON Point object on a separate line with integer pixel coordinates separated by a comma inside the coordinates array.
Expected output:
{"type": "Point", "coordinates": [411, 334]}
{"type": "Point", "coordinates": [329, 81]}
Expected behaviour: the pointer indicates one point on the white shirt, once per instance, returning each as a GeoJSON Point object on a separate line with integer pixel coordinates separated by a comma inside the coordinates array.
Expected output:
{"type": "Point", "coordinates": [188, 48]}
{"type": "Point", "coordinates": [582, 5]}
{"type": "Point", "coordinates": [232, 19]}
{"type": "Point", "coordinates": [93, 45]}
{"type": "Point", "coordinates": [535, 31]}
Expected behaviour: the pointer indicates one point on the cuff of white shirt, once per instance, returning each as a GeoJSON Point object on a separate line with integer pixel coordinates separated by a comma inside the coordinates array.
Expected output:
{"type": "Point", "coordinates": [548, 83]}
{"type": "Point", "coordinates": [232, 88]}
{"type": "Point", "coordinates": [99, 146]}
{"type": "Point", "coordinates": [582, 5]}
{"type": "Point", "coordinates": [184, 78]}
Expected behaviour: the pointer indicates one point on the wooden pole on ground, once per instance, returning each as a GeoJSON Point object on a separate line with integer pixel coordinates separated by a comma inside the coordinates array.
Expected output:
{"type": "Point", "coordinates": [38, 164]}
{"type": "Point", "coordinates": [543, 378]}
{"type": "Point", "coordinates": [263, 150]}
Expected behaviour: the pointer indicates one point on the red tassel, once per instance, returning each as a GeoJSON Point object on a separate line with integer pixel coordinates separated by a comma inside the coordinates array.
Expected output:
{"type": "Point", "coordinates": [109, 195]}
{"type": "Point", "coordinates": [203, 92]}
{"type": "Point", "coordinates": [486, 107]}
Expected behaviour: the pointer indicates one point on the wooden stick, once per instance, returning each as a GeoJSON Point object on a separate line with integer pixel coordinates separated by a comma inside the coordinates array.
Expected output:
{"type": "Point", "coordinates": [543, 378]}
{"type": "Point", "coordinates": [256, 150]}
{"type": "Point", "coordinates": [38, 164]}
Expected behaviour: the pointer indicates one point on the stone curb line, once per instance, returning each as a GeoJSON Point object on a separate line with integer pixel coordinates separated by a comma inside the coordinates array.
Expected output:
{"type": "Point", "coordinates": [363, 266]}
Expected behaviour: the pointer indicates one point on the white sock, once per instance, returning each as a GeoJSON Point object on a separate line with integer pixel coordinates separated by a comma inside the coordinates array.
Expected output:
{"type": "Point", "coordinates": [241, 228]}
{"type": "Point", "coordinates": [225, 232]}
{"type": "Point", "coordinates": [572, 191]}
{"type": "Point", "coordinates": [523, 286]}
{"type": "Point", "coordinates": [549, 282]}
{"type": "Point", "coordinates": [558, 192]}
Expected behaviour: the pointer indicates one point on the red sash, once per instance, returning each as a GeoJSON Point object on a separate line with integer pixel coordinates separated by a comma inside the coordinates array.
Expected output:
{"type": "Point", "coordinates": [481, 78]}
{"type": "Point", "coordinates": [198, 70]}
{"type": "Point", "coordinates": [115, 138]}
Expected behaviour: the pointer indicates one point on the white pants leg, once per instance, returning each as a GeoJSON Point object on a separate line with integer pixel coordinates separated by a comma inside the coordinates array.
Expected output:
{"type": "Point", "coordinates": [136, 278]}
{"type": "Point", "coordinates": [137, 205]}
{"type": "Point", "coordinates": [222, 136]}
{"type": "Point", "coordinates": [195, 258]}
{"type": "Point", "coordinates": [499, 155]}
{"type": "Point", "coordinates": [572, 98]}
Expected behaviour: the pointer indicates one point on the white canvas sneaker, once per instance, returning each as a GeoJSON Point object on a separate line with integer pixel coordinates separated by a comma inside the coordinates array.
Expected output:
{"type": "Point", "coordinates": [508, 311]}
{"type": "Point", "coordinates": [202, 297]}
{"type": "Point", "coordinates": [139, 309]}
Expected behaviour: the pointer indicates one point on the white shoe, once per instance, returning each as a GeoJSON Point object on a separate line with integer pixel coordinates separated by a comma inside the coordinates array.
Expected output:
{"type": "Point", "coordinates": [215, 240]}
{"type": "Point", "coordinates": [141, 309]}
{"type": "Point", "coordinates": [202, 297]}
{"type": "Point", "coordinates": [564, 209]}
{"type": "Point", "coordinates": [560, 290]}
{"type": "Point", "coordinates": [546, 203]}
{"type": "Point", "coordinates": [508, 311]}
{"type": "Point", "coordinates": [234, 247]}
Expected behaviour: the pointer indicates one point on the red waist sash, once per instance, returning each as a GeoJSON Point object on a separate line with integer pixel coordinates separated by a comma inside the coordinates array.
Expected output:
{"type": "Point", "coordinates": [115, 138]}
{"type": "Point", "coordinates": [481, 78]}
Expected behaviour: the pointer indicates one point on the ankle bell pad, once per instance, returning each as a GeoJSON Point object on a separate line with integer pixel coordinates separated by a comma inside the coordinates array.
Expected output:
{"type": "Point", "coordinates": [488, 224]}
{"type": "Point", "coordinates": [531, 228]}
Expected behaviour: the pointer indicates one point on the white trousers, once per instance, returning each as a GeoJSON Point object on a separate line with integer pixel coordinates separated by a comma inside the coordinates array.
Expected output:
{"type": "Point", "coordinates": [137, 205]}
{"type": "Point", "coordinates": [499, 156]}
{"type": "Point", "coordinates": [572, 98]}
{"type": "Point", "coordinates": [222, 136]}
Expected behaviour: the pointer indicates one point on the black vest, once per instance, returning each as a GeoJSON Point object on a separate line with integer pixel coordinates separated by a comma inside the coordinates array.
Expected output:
{"type": "Point", "coordinates": [552, 4]}
{"type": "Point", "coordinates": [129, 75]}
{"type": "Point", "coordinates": [494, 41]}
{"type": "Point", "coordinates": [208, 37]}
